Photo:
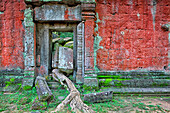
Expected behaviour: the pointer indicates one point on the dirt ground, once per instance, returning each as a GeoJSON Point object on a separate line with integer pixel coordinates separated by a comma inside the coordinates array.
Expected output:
{"type": "Point", "coordinates": [13, 103]}
{"type": "Point", "coordinates": [145, 105]}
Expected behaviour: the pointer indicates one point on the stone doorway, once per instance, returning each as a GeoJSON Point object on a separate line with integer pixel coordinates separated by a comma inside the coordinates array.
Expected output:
{"type": "Point", "coordinates": [44, 46]}
{"type": "Point", "coordinates": [43, 17]}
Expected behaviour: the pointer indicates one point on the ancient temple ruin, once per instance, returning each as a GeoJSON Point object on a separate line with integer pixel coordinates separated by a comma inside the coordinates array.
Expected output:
{"type": "Point", "coordinates": [119, 43]}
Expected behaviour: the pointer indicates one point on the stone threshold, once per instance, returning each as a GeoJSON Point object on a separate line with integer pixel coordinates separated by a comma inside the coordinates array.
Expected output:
{"type": "Point", "coordinates": [138, 90]}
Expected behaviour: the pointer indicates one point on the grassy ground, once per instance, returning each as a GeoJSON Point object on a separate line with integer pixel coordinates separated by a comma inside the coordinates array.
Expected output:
{"type": "Point", "coordinates": [20, 102]}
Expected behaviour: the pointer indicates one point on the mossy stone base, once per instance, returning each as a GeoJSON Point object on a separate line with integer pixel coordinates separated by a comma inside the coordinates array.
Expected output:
{"type": "Point", "coordinates": [10, 88]}
{"type": "Point", "coordinates": [39, 105]}
{"type": "Point", "coordinates": [90, 83]}
{"type": "Point", "coordinates": [27, 83]}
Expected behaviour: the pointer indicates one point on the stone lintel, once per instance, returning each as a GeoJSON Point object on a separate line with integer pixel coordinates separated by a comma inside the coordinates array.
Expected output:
{"type": "Point", "coordinates": [58, 13]}
{"type": "Point", "coordinates": [68, 2]}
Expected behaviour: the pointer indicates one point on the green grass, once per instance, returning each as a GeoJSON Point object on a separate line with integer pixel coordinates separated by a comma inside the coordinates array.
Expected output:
{"type": "Point", "coordinates": [20, 102]}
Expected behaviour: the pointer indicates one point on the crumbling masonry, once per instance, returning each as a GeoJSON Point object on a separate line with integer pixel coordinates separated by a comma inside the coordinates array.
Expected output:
{"type": "Point", "coordinates": [120, 43]}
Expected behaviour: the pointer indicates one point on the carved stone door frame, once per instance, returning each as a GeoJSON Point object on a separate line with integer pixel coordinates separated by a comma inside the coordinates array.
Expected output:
{"type": "Point", "coordinates": [43, 46]}
{"type": "Point", "coordinates": [45, 12]}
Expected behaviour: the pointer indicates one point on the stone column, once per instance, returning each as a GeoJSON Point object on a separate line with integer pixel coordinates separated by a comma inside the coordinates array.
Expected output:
{"type": "Point", "coordinates": [80, 53]}
{"type": "Point", "coordinates": [166, 28]}
{"type": "Point", "coordinates": [88, 14]}
{"type": "Point", "coordinates": [29, 49]}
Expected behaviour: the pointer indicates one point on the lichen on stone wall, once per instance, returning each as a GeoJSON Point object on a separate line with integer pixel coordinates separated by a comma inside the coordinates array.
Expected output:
{"type": "Point", "coordinates": [153, 11]}
{"type": "Point", "coordinates": [97, 40]}
{"type": "Point", "coordinates": [168, 51]}
{"type": "Point", "coordinates": [1, 12]}
{"type": "Point", "coordinates": [29, 49]}
{"type": "Point", "coordinates": [28, 20]}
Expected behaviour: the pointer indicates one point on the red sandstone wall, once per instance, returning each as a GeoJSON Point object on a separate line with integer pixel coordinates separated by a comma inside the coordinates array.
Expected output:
{"type": "Point", "coordinates": [89, 47]}
{"type": "Point", "coordinates": [11, 34]}
{"type": "Point", "coordinates": [130, 37]}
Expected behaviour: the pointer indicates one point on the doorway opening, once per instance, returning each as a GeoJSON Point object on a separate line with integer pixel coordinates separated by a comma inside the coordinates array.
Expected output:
{"type": "Point", "coordinates": [46, 34]}
{"type": "Point", "coordinates": [61, 51]}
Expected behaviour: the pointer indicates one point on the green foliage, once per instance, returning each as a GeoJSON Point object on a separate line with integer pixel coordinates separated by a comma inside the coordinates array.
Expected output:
{"type": "Point", "coordinates": [64, 34]}
{"type": "Point", "coordinates": [90, 87]}
{"type": "Point", "coordinates": [12, 79]}
{"type": "Point", "coordinates": [106, 82]}
{"type": "Point", "coordinates": [7, 83]}
{"type": "Point", "coordinates": [27, 87]}
{"type": "Point", "coordinates": [61, 41]}
{"type": "Point", "coordinates": [69, 46]}
{"type": "Point", "coordinates": [22, 102]}
{"type": "Point", "coordinates": [109, 76]}
{"type": "Point", "coordinates": [118, 84]}
{"type": "Point", "coordinates": [140, 106]}
{"type": "Point", "coordinates": [10, 82]}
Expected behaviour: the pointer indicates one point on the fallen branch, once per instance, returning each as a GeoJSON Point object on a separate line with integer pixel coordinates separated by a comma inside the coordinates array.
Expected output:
{"type": "Point", "coordinates": [73, 98]}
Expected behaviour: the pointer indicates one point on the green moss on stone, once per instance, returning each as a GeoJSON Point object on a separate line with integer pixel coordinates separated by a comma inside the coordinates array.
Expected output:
{"type": "Point", "coordinates": [106, 82]}
{"type": "Point", "coordinates": [12, 79]}
{"type": "Point", "coordinates": [27, 87]}
{"type": "Point", "coordinates": [85, 87]}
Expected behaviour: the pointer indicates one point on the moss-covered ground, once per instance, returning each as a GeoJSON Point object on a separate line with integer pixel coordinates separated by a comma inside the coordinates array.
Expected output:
{"type": "Point", "coordinates": [21, 102]}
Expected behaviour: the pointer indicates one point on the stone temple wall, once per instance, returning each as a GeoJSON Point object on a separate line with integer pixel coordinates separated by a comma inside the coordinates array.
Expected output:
{"type": "Point", "coordinates": [120, 36]}
{"type": "Point", "coordinates": [11, 41]}
{"type": "Point", "coordinates": [11, 34]}
{"type": "Point", "coordinates": [128, 35]}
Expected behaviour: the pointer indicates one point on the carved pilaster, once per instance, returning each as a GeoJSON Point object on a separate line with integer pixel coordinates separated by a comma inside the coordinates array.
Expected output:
{"type": "Point", "coordinates": [29, 48]}
{"type": "Point", "coordinates": [80, 53]}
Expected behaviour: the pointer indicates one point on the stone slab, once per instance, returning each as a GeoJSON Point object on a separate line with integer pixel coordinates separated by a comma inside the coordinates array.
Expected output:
{"type": "Point", "coordinates": [138, 90]}
{"type": "Point", "coordinates": [27, 82]}
{"type": "Point", "coordinates": [57, 13]}
{"type": "Point", "coordinates": [65, 59]}
{"type": "Point", "coordinates": [93, 82]}
{"type": "Point", "coordinates": [98, 97]}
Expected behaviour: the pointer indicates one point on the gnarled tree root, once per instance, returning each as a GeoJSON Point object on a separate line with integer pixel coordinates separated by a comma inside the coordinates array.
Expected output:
{"type": "Point", "coordinates": [73, 98]}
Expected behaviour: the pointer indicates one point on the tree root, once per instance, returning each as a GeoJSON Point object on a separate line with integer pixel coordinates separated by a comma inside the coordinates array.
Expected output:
{"type": "Point", "coordinates": [73, 98]}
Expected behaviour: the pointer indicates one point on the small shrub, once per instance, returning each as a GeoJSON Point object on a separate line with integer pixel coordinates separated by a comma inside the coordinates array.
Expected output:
{"type": "Point", "coordinates": [27, 87]}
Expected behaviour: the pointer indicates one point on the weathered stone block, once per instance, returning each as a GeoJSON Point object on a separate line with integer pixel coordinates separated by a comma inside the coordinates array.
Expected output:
{"type": "Point", "coordinates": [29, 61]}
{"type": "Point", "coordinates": [10, 88]}
{"type": "Point", "coordinates": [98, 97]}
{"type": "Point", "coordinates": [53, 85]}
{"type": "Point", "coordinates": [65, 60]}
{"type": "Point", "coordinates": [39, 105]}
{"type": "Point", "coordinates": [55, 57]}
{"type": "Point", "coordinates": [57, 12]}
{"type": "Point", "coordinates": [43, 91]}
{"type": "Point", "coordinates": [90, 83]}
{"type": "Point", "coordinates": [27, 83]}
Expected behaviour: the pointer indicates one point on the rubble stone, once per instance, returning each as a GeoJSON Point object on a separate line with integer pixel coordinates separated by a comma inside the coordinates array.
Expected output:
{"type": "Point", "coordinates": [65, 60]}
{"type": "Point", "coordinates": [98, 97]}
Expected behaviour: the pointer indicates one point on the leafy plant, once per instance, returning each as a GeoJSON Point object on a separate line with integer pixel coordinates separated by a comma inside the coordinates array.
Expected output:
{"type": "Point", "coordinates": [27, 87]}
{"type": "Point", "coordinates": [12, 79]}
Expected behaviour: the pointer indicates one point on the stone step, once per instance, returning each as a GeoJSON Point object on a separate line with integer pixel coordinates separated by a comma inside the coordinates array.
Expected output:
{"type": "Point", "coordinates": [138, 90]}
{"type": "Point", "coordinates": [140, 83]}
{"type": "Point", "coordinates": [53, 84]}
